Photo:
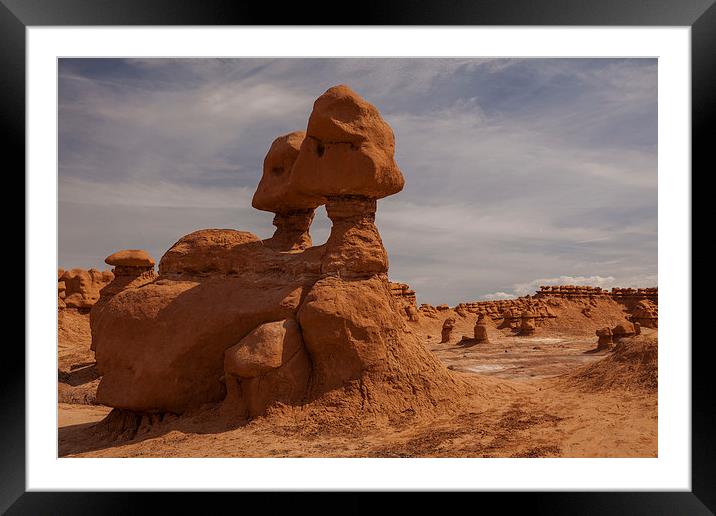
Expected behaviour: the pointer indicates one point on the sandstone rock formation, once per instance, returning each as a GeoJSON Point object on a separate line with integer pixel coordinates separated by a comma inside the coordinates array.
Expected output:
{"type": "Point", "coordinates": [277, 194]}
{"type": "Point", "coordinates": [622, 330]}
{"type": "Point", "coordinates": [405, 298]}
{"type": "Point", "coordinates": [270, 364]}
{"type": "Point", "coordinates": [132, 268]}
{"type": "Point", "coordinates": [480, 331]}
{"type": "Point", "coordinates": [79, 288]}
{"type": "Point", "coordinates": [605, 339]}
{"type": "Point", "coordinates": [646, 314]}
{"type": "Point", "coordinates": [61, 293]}
{"type": "Point", "coordinates": [259, 323]}
{"type": "Point", "coordinates": [448, 326]}
{"type": "Point", "coordinates": [527, 325]}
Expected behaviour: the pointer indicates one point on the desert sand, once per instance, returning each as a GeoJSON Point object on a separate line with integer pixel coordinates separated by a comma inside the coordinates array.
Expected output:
{"type": "Point", "coordinates": [239, 346]}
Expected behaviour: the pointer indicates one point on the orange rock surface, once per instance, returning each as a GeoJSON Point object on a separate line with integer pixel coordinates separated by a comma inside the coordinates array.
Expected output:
{"type": "Point", "coordinates": [277, 321]}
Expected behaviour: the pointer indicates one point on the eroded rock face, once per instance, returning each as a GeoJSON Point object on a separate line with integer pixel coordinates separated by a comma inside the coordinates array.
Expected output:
{"type": "Point", "coordinates": [646, 314]}
{"type": "Point", "coordinates": [605, 339]}
{"type": "Point", "coordinates": [80, 288]}
{"type": "Point", "coordinates": [133, 268]}
{"type": "Point", "coordinates": [169, 354]}
{"type": "Point", "coordinates": [446, 331]}
{"type": "Point", "coordinates": [480, 331]}
{"type": "Point", "coordinates": [275, 192]}
{"type": "Point", "coordinates": [260, 322]}
{"type": "Point", "coordinates": [269, 365]}
{"type": "Point", "coordinates": [527, 325]}
{"type": "Point", "coordinates": [623, 330]}
{"type": "Point", "coordinates": [209, 251]}
{"type": "Point", "coordinates": [348, 150]}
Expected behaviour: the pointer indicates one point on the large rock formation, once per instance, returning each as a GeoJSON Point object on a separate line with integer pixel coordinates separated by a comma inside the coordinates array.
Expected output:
{"type": "Point", "coordinates": [277, 321]}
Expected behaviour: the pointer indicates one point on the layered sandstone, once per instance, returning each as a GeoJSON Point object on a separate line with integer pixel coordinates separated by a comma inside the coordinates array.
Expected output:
{"type": "Point", "coordinates": [405, 300]}
{"type": "Point", "coordinates": [646, 314]}
{"type": "Point", "coordinates": [560, 308]}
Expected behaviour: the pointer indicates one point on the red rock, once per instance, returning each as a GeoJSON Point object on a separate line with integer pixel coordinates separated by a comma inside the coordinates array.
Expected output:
{"type": "Point", "coordinates": [219, 322]}
{"type": "Point", "coordinates": [448, 326]}
{"type": "Point", "coordinates": [605, 339]}
{"type": "Point", "coordinates": [82, 287]}
{"type": "Point", "coordinates": [348, 150]}
{"type": "Point", "coordinates": [275, 192]}
{"type": "Point", "coordinates": [130, 258]}
{"type": "Point", "coordinates": [269, 365]}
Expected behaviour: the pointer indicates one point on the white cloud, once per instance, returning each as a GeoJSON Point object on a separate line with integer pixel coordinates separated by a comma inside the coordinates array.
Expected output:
{"type": "Point", "coordinates": [495, 296]}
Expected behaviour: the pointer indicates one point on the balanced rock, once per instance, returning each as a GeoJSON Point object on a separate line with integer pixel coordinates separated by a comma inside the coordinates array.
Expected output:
{"type": "Point", "coordinates": [258, 323]}
{"type": "Point", "coordinates": [348, 150]}
{"type": "Point", "coordinates": [276, 193]}
{"type": "Point", "coordinates": [132, 269]}
{"type": "Point", "coordinates": [130, 258]}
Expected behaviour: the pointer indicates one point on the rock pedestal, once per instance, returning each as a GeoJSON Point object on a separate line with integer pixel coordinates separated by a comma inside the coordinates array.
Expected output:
{"type": "Point", "coordinates": [260, 323]}
{"type": "Point", "coordinates": [605, 339]}
{"type": "Point", "coordinates": [527, 325]}
{"type": "Point", "coordinates": [446, 332]}
{"type": "Point", "coordinates": [480, 331]}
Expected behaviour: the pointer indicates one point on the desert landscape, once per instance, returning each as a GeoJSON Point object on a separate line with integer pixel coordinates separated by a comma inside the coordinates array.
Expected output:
{"type": "Point", "coordinates": [238, 346]}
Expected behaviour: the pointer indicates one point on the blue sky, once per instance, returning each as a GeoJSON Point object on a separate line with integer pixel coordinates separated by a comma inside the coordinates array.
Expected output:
{"type": "Point", "coordinates": [518, 172]}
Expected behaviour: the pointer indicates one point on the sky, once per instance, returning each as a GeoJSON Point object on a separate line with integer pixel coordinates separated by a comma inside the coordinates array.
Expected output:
{"type": "Point", "coordinates": [518, 172]}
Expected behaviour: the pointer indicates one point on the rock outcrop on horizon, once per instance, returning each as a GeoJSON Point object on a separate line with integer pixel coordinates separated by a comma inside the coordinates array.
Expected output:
{"type": "Point", "coordinates": [278, 321]}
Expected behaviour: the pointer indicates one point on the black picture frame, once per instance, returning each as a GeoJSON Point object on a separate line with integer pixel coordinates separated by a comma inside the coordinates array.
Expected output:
{"type": "Point", "coordinates": [17, 15]}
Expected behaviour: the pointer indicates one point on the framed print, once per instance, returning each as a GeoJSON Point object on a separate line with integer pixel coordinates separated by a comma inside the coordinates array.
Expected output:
{"type": "Point", "coordinates": [421, 251]}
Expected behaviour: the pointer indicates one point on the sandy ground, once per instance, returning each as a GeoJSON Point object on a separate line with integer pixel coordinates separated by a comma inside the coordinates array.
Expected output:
{"type": "Point", "coordinates": [524, 409]}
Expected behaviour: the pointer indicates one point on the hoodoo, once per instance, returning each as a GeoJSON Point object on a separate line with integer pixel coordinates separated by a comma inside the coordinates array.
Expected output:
{"type": "Point", "coordinates": [132, 268]}
{"type": "Point", "coordinates": [278, 321]}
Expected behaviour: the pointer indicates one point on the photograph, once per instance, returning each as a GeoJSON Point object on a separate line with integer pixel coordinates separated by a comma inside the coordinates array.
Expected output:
{"type": "Point", "coordinates": [377, 257]}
